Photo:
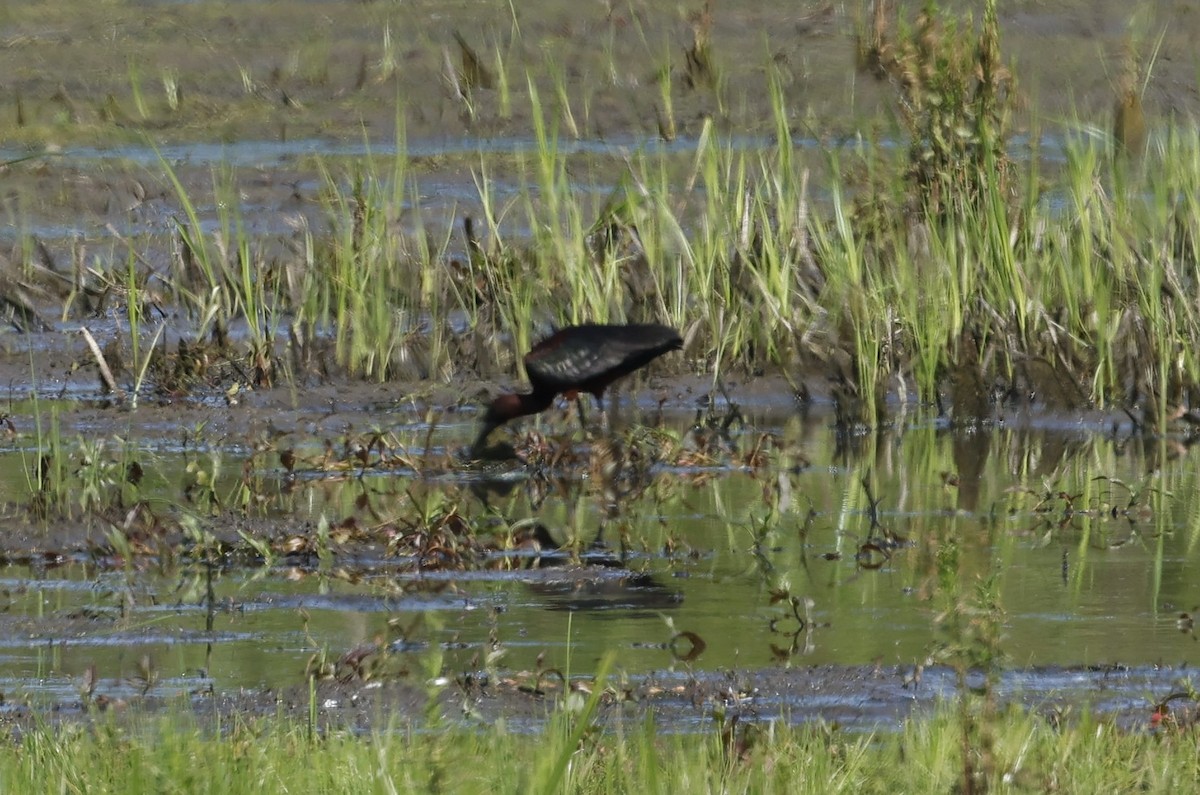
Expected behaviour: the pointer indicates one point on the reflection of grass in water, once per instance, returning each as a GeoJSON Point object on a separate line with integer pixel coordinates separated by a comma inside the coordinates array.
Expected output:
{"type": "Point", "coordinates": [937, 554]}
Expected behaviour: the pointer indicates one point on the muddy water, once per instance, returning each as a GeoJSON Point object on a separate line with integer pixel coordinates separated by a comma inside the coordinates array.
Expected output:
{"type": "Point", "coordinates": [1088, 535]}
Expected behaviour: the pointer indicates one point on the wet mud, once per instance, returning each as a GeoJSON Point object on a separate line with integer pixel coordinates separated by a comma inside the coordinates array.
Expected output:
{"type": "Point", "coordinates": [853, 699]}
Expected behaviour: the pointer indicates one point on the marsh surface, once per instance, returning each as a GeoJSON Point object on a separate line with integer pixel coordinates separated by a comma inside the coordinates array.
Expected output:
{"type": "Point", "coordinates": [719, 543]}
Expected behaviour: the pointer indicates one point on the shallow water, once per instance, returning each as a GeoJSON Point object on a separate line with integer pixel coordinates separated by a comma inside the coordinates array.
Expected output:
{"type": "Point", "coordinates": [1096, 577]}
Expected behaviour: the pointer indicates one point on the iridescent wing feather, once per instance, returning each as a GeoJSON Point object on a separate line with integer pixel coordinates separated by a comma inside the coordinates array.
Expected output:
{"type": "Point", "coordinates": [588, 358]}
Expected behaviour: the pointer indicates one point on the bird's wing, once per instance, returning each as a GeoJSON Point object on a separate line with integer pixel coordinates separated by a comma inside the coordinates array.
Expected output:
{"type": "Point", "coordinates": [565, 361]}
{"type": "Point", "coordinates": [584, 357]}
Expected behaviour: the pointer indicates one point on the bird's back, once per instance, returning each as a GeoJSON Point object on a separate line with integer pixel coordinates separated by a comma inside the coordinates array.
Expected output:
{"type": "Point", "coordinates": [587, 358]}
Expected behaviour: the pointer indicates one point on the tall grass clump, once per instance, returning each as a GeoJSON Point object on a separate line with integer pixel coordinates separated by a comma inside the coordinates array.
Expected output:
{"type": "Point", "coordinates": [378, 283]}
{"type": "Point", "coordinates": [221, 276]}
{"type": "Point", "coordinates": [939, 214]}
{"type": "Point", "coordinates": [369, 293]}
{"type": "Point", "coordinates": [946, 274]}
{"type": "Point", "coordinates": [354, 279]}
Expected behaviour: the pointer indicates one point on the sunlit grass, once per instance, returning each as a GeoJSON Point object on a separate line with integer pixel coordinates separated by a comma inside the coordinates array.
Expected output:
{"type": "Point", "coordinates": [884, 271]}
{"type": "Point", "coordinates": [570, 755]}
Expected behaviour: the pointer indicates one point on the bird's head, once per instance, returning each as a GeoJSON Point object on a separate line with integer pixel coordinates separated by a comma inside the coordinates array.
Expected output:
{"type": "Point", "coordinates": [499, 411]}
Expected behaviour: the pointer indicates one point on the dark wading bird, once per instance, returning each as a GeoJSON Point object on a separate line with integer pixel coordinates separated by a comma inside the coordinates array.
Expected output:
{"type": "Point", "coordinates": [579, 359]}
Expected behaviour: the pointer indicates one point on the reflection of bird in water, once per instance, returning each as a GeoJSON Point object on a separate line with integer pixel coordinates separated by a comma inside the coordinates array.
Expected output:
{"type": "Point", "coordinates": [536, 541]}
{"type": "Point", "coordinates": [579, 359]}
{"type": "Point", "coordinates": [600, 581]}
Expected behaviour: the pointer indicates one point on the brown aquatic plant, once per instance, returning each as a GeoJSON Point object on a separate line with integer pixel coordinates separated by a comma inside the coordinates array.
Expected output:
{"type": "Point", "coordinates": [472, 74]}
{"type": "Point", "coordinates": [699, 69]}
{"type": "Point", "coordinates": [954, 97]}
{"type": "Point", "coordinates": [873, 52]}
{"type": "Point", "coordinates": [1129, 119]}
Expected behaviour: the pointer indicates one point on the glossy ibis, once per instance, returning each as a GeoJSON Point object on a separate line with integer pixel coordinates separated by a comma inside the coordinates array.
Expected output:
{"type": "Point", "coordinates": [584, 358]}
